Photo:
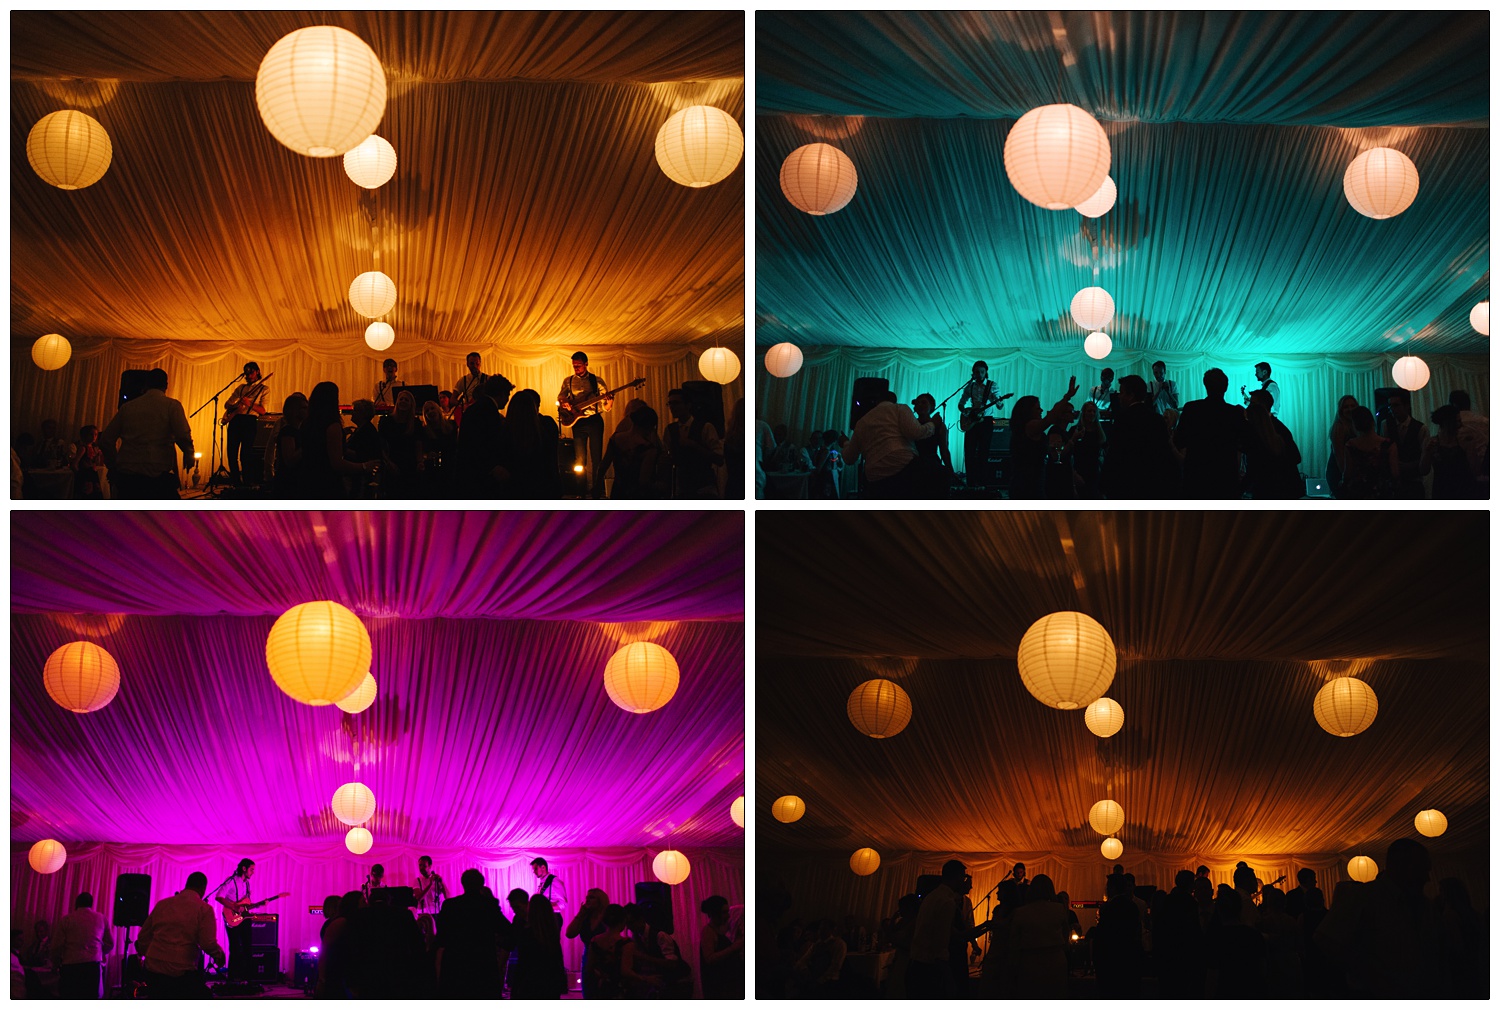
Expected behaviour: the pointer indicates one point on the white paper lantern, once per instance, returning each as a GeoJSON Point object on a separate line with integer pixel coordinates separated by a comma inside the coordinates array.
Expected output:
{"type": "Point", "coordinates": [69, 149]}
{"type": "Point", "coordinates": [719, 364]}
{"type": "Point", "coordinates": [372, 163]}
{"type": "Point", "coordinates": [1101, 202]}
{"type": "Point", "coordinates": [1431, 823]}
{"type": "Point", "coordinates": [879, 708]}
{"type": "Point", "coordinates": [372, 294]}
{"type": "Point", "coordinates": [1410, 372]}
{"type": "Point", "coordinates": [362, 698]}
{"type": "Point", "coordinates": [1057, 156]}
{"type": "Point", "coordinates": [1104, 717]}
{"type": "Point", "coordinates": [47, 856]}
{"type": "Point", "coordinates": [1092, 308]}
{"type": "Point", "coordinates": [358, 841]}
{"type": "Point", "coordinates": [1066, 660]}
{"type": "Point", "coordinates": [1106, 817]}
{"type": "Point", "coordinates": [1097, 345]}
{"type": "Point", "coordinates": [1363, 869]}
{"type": "Point", "coordinates": [784, 360]}
{"type": "Point", "coordinates": [51, 352]}
{"type": "Point", "coordinates": [641, 677]}
{"type": "Point", "coordinates": [1345, 706]}
{"type": "Point", "coordinates": [318, 653]}
{"type": "Point", "coordinates": [379, 335]}
{"type": "Point", "coordinates": [818, 179]}
{"type": "Point", "coordinates": [865, 861]}
{"type": "Point", "coordinates": [320, 91]}
{"type": "Point", "coordinates": [353, 803]}
{"type": "Point", "coordinates": [737, 811]}
{"type": "Point", "coordinates": [1112, 848]}
{"type": "Point", "coordinates": [699, 146]}
{"type": "Point", "coordinates": [81, 677]}
{"type": "Point", "coordinates": [671, 867]}
{"type": "Point", "coordinates": [787, 809]}
{"type": "Point", "coordinates": [1381, 183]}
{"type": "Point", "coordinates": [1479, 317]}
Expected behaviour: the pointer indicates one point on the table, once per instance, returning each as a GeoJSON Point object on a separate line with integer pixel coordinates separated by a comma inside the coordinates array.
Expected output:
{"type": "Point", "coordinates": [49, 483]}
{"type": "Point", "coordinates": [787, 485]}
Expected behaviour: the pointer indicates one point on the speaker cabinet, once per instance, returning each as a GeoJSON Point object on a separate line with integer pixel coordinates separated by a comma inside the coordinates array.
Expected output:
{"type": "Point", "coordinates": [707, 399]}
{"type": "Point", "coordinates": [133, 383]}
{"type": "Point", "coordinates": [264, 934]}
{"type": "Point", "coordinates": [132, 899]}
{"type": "Point", "coordinates": [868, 391]}
{"type": "Point", "coordinates": [305, 973]}
{"type": "Point", "coordinates": [655, 901]}
{"type": "Point", "coordinates": [265, 964]}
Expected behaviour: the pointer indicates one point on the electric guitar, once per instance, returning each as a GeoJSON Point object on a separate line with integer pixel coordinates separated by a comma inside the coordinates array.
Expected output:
{"type": "Point", "coordinates": [235, 915]}
{"type": "Point", "coordinates": [567, 413]}
{"type": "Point", "coordinates": [240, 404]}
{"type": "Point", "coordinates": [970, 416]}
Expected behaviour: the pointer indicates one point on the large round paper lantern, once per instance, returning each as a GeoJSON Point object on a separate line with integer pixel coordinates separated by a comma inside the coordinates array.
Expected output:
{"type": "Point", "coordinates": [318, 653]}
{"type": "Point", "coordinates": [737, 811]}
{"type": "Point", "coordinates": [1066, 660]}
{"type": "Point", "coordinates": [699, 146]}
{"type": "Point", "coordinates": [1057, 156]}
{"type": "Point", "coordinates": [719, 364]}
{"type": "Point", "coordinates": [47, 856]}
{"type": "Point", "coordinates": [1410, 372]}
{"type": "Point", "coordinates": [1431, 823]}
{"type": "Point", "coordinates": [1092, 308]}
{"type": "Point", "coordinates": [51, 352]}
{"type": "Point", "coordinates": [641, 677]}
{"type": "Point", "coordinates": [372, 163]}
{"type": "Point", "coordinates": [1345, 706]}
{"type": "Point", "coordinates": [81, 677]}
{"type": "Point", "coordinates": [1112, 848]}
{"type": "Point", "coordinates": [1381, 183]}
{"type": "Point", "coordinates": [787, 809]}
{"type": "Point", "coordinates": [671, 867]}
{"type": "Point", "coordinates": [379, 335]}
{"type": "Point", "coordinates": [1104, 717]}
{"type": "Point", "coordinates": [864, 861]}
{"type": "Point", "coordinates": [784, 360]}
{"type": "Point", "coordinates": [358, 841]}
{"type": "Point", "coordinates": [372, 294]}
{"type": "Point", "coordinates": [1106, 817]}
{"type": "Point", "coordinates": [1101, 202]}
{"type": "Point", "coordinates": [362, 698]}
{"type": "Point", "coordinates": [320, 91]}
{"type": "Point", "coordinates": [353, 803]}
{"type": "Point", "coordinates": [1479, 317]}
{"type": "Point", "coordinates": [879, 708]}
{"type": "Point", "coordinates": [818, 179]}
{"type": "Point", "coordinates": [1363, 869]}
{"type": "Point", "coordinates": [69, 149]}
{"type": "Point", "coordinates": [1097, 345]}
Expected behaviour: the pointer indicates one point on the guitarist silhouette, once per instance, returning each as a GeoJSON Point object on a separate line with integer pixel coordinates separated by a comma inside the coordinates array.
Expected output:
{"type": "Point", "coordinates": [973, 407]}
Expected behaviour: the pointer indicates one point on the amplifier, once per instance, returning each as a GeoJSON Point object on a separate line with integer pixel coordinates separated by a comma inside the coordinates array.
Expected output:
{"type": "Point", "coordinates": [264, 931]}
{"type": "Point", "coordinates": [306, 970]}
{"type": "Point", "coordinates": [265, 964]}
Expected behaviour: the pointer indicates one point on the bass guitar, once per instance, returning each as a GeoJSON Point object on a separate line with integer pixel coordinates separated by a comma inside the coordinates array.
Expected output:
{"type": "Point", "coordinates": [239, 404]}
{"type": "Point", "coordinates": [970, 416]}
{"type": "Point", "coordinates": [567, 413]}
{"type": "Point", "coordinates": [235, 915]}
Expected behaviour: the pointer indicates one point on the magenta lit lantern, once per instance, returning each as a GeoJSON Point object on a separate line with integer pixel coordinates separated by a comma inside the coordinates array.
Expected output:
{"type": "Point", "coordinates": [641, 677]}
{"type": "Point", "coordinates": [47, 856]}
{"type": "Point", "coordinates": [353, 803]}
{"type": "Point", "coordinates": [81, 677]}
{"type": "Point", "coordinates": [318, 653]}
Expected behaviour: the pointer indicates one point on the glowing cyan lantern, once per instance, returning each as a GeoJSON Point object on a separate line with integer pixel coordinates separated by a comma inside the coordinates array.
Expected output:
{"type": "Point", "coordinates": [1092, 308]}
{"type": "Point", "coordinates": [372, 294]}
{"type": "Point", "coordinates": [1431, 823]}
{"type": "Point", "coordinates": [787, 809]}
{"type": "Point", "coordinates": [1106, 817]}
{"type": "Point", "coordinates": [1112, 848]}
{"type": "Point", "coordinates": [1363, 869]}
{"type": "Point", "coordinates": [1410, 372]}
{"type": "Point", "coordinates": [69, 149]}
{"type": "Point", "coordinates": [353, 803]}
{"type": "Point", "coordinates": [372, 163]}
{"type": "Point", "coordinates": [879, 708]}
{"type": "Point", "coordinates": [1097, 345]}
{"type": "Point", "coordinates": [362, 698]}
{"type": "Point", "coordinates": [380, 335]}
{"type": "Point", "coordinates": [737, 811]}
{"type": "Point", "coordinates": [719, 364]}
{"type": "Point", "coordinates": [358, 841]}
{"type": "Point", "coordinates": [818, 179]}
{"type": "Point", "coordinates": [864, 861]}
{"type": "Point", "coordinates": [81, 677]}
{"type": "Point", "coordinates": [320, 91]}
{"type": "Point", "coordinates": [784, 360]}
{"type": "Point", "coordinates": [1104, 717]}
{"type": "Point", "coordinates": [1057, 156]}
{"type": "Point", "coordinates": [1345, 706]}
{"type": "Point", "coordinates": [699, 146]}
{"type": "Point", "coordinates": [1066, 660]}
{"type": "Point", "coordinates": [1381, 183]}
{"type": "Point", "coordinates": [1479, 317]}
{"type": "Point", "coordinates": [671, 867]}
{"type": "Point", "coordinates": [51, 352]}
{"type": "Point", "coordinates": [47, 856]}
{"type": "Point", "coordinates": [1101, 202]}
{"type": "Point", "coordinates": [641, 677]}
{"type": "Point", "coordinates": [318, 653]}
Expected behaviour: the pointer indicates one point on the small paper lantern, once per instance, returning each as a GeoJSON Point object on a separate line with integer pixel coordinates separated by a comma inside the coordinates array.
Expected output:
{"type": "Point", "coordinates": [51, 352]}
{"type": "Point", "coordinates": [1101, 202]}
{"type": "Point", "coordinates": [1104, 717]}
{"type": "Point", "coordinates": [1381, 183]}
{"type": "Point", "coordinates": [81, 677]}
{"type": "Point", "coordinates": [1057, 156]}
{"type": "Point", "coordinates": [737, 811]}
{"type": "Point", "coordinates": [787, 809]}
{"type": "Point", "coordinates": [1363, 869]}
{"type": "Point", "coordinates": [1345, 706]}
{"type": "Point", "coordinates": [699, 146]}
{"type": "Point", "coordinates": [1112, 848]}
{"type": "Point", "coordinates": [1431, 823]}
{"type": "Point", "coordinates": [641, 677]}
{"type": "Point", "coordinates": [1097, 345]}
{"type": "Point", "coordinates": [818, 179]}
{"type": "Point", "coordinates": [1066, 660]}
{"type": "Point", "coordinates": [1106, 817]}
{"type": "Point", "coordinates": [318, 653]}
{"type": "Point", "coordinates": [879, 708]}
{"type": "Point", "coordinates": [372, 163]}
{"type": "Point", "coordinates": [69, 149]}
{"type": "Point", "coordinates": [864, 861]}
{"type": "Point", "coordinates": [380, 335]}
{"type": "Point", "coordinates": [719, 364]}
{"type": "Point", "coordinates": [353, 803]}
{"type": "Point", "coordinates": [358, 841]}
{"type": "Point", "coordinates": [1479, 317]}
{"type": "Point", "coordinates": [1092, 308]}
{"type": "Point", "coordinates": [1410, 372]}
{"type": "Point", "coordinates": [372, 294]}
{"type": "Point", "coordinates": [47, 856]}
{"type": "Point", "coordinates": [671, 867]}
{"type": "Point", "coordinates": [320, 91]}
{"type": "Point", "coordinates": [362, 698]}
{"type": "Point", "coordinates": [784, 360]}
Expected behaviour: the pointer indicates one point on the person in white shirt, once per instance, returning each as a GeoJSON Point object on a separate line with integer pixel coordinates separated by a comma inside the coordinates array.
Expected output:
{"type": "Point", "coordinates": [1162, 389]}
{"type": "Point", "coordinates": [176, 935]}
{"type": "Point", "coordinates": [886, 436]}
{"type": "Point", "coordinates": [1104, 393]}
{"type": "Point", "coordinates": [551, 887]}
{"type": "Point", "coordinates": [1263, 375]}
{"type": "Point", "coordinates": [79, 945]}
{"type": "Point", "coordinates": [387, 388]}
{"type": "Point", "coordinates": [429, 888]}
{"type": "Point", "coordinates": [146, 428]}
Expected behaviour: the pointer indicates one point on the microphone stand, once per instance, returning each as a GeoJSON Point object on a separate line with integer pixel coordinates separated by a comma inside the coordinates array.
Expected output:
{"type": "Point", "coordinates": [217, 473]}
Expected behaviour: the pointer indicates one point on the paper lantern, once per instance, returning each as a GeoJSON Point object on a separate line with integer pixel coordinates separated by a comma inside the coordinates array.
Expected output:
{"type": "Point", "coordinates": [51, 352]}
{"type": "Point", "coordinates": [320, 91]}
{"type": "Point", "coordinates": [879, 708]}
{"type": "Point", "coordinates": [1092, 308]}
{"type": "Point", "coordinates": [699, 146]}
{"type": "Point", "coordinates": [81, 677]}
{"type": "Point", "coordinates": [1104, 717]}
{"type": "Point", "coordinates": [1066, 660]}
{"type": "Point", "coordinates": [1345, 706]}
{"type": "Point", "coordinates": [642, 677]}
{"type": "Point", "coordinates": [1057, 156]}
{"type": "Point", "coordinates": [353, 803]}
{"type": "Point", "coordinates": [47, 856]}
{"type": "Point", "coordinates": [719, 364]}
{"type": "Point", "coordinates": [787, 809]}
{"type": "Point", "coordinates": [818, 179]}
{"type": "Point", "coordinates": [671, 867]}
{"type": "Point", "coordinates": [372, 163]}
{"type": "Point", "coordinates": [1101, 202]}
{"type": "Point", "coordinates": [379, 335]}
{"type": "Point", "coordinates": [1363, 869]}
{"type": "Point", "coordinates": [1381, 183]}
{"type": "Point", "coordinates": [1431, 823]}
{"type": "Point", "coordinates": [864, 861]}
{"type": "Point", "coordinates": [1112, 848]}
{"type": "Point", "coordinates": [69, 149]}
{"type": "Point", "coordinates": [318, 653]}
{"type": "Point", "coordinates": [358, 841]}
{"type": "Point", "coordinates": [1106, 817]}
{"type": "Point", "coordinates": [362, 698]}
{"type": "Point", "coordinates": [372, 294]}
{"type": "Point", "coordinates": [1479, 317]}
{"type": "Point", "coordinates": [1410, 372]}
{"type": "Point", "coordinates": [737, 811]}
{"type": "Point", "coordinates": [784, 360]}
{"type": "Point", "coordinates": [1097, 345]}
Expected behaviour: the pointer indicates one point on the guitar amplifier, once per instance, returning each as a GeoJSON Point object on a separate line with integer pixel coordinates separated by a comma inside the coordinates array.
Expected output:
{"type": "Point", "coordinates": [264, 931]}
{"type": "Point", "coordinates": [265, 964]}
{"type": "Point", "coordinates": [305, 972]}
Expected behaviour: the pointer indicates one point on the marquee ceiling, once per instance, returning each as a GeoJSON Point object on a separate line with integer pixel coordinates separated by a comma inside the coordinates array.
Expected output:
{"type": "Point", "coordinates": [1230, 133]}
